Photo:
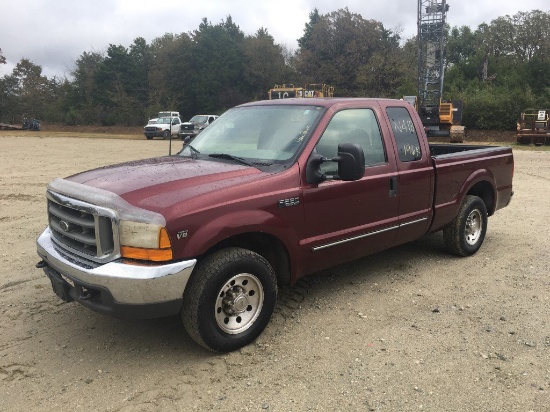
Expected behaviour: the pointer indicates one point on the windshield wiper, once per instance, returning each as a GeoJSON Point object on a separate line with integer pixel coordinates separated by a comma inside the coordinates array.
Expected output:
{"type": "Point", "coordinates": [231, 157]}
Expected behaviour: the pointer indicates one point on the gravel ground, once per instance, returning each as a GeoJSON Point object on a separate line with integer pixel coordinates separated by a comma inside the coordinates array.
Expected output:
{"type": "Point", "coordinates": [409, 329]}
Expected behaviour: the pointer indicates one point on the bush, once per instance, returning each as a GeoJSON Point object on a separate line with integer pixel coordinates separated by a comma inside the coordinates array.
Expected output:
{"type": "Point", "coordinates": [492, 107]}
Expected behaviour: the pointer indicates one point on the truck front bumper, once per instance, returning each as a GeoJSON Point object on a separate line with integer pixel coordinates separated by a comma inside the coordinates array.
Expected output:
{"type": "Point", "coordinates": [191, 133]}
{"type": "Point", "coordinates": [120, 288]}
{"type": "Point", "coordinates": [154, 134]}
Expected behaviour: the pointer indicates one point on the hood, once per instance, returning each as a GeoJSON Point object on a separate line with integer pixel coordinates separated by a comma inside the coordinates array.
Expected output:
{"type": "Point", "coordinates": [159, 184]}
{"type": "Point", "coordinates": [195, 123]}
{"type": "Point", "coordinates": [190, 124]}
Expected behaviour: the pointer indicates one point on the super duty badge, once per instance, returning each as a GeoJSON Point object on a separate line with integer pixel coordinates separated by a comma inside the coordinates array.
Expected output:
{"type": "Point", "coordinates": [293, 201]}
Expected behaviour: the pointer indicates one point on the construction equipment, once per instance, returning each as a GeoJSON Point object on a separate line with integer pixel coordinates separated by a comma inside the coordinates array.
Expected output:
{"type": "Point", "coordinates": [288, 91]}
{"type": "Point", "coordinates": [440, 118]}
{"type": "Point", "coordinates": [534, 127]}
{"type": "Point", "coordinates": [33, 124]}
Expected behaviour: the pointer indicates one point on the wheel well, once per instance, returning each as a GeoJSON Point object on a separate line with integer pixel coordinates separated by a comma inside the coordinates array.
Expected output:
{"type": "Point", "coordinates": [271, 248]}
{"type": "Point", "coordinates": [484, 190]}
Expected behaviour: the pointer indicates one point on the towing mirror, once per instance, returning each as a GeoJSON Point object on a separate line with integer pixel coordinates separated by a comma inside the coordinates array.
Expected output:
{"type": "Point", "coordinates": [351, 164]}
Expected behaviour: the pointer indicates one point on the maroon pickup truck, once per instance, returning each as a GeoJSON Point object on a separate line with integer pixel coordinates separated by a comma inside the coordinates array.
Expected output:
{"type": "Point", "coordinates": [270, 192]}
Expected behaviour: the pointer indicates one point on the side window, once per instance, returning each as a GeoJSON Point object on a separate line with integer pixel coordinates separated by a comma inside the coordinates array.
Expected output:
{"type": "Point", "coordinates": [405, 135]}
{"type": "Point", "coordinates": [352, 126]}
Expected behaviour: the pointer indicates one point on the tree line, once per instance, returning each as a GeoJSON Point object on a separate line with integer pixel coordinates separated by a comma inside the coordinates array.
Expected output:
{"type": "Point", "coordinates": [497, 69]}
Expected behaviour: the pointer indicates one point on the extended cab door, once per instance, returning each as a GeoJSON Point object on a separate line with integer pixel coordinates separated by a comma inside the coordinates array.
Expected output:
{"type": "Point", "coordinates": [346, 220]}
{"type": "Point", "coordinates": [415, 183]}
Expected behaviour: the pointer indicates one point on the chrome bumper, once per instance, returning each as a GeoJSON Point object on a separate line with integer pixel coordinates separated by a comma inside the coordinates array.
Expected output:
{"type": "Point", "coordinates": [127, 283]}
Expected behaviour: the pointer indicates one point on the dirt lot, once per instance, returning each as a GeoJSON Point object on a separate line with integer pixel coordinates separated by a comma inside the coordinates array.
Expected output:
{"type": "Point", "coordinates": [405, 330]}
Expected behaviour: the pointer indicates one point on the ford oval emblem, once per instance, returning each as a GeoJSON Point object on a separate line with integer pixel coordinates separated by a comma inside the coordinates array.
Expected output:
{"type": "Point", "coordinates": [64, 226]}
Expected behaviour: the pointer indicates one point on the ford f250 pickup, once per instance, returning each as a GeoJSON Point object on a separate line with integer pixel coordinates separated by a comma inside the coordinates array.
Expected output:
{"type": "Point", "coordinates": [270, 192]}
{"type": "Point", "coordinates": [164, 127]}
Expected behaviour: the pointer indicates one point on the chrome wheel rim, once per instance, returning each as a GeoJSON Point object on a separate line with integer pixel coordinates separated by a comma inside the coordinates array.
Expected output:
{"type": "Point", "coordinates": [474, 227]}
{"type": "Point", "coordinates": [239, 303]}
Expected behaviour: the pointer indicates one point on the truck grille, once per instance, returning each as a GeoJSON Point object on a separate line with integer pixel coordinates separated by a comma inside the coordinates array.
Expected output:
{"type": "Point", "coordinates": [187, 127]}
{"type": "Point", "coordinates": [151, 128]}
{"type": "Point", "coordinates": [80, 229]}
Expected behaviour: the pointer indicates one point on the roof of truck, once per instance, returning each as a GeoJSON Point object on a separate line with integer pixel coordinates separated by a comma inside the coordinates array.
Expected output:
{"type": "Point", "coordinates": [319, 101]}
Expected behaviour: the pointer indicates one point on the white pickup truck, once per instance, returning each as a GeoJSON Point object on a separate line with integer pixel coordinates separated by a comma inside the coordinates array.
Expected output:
{"type": "Point", "coordinates": [163, 114]}
{"type": "Point", "coordinates": [164, 127]}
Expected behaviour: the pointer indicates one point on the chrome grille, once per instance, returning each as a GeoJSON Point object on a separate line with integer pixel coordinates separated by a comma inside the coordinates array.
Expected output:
{"type": "Point", "coordinates": [82, 230]}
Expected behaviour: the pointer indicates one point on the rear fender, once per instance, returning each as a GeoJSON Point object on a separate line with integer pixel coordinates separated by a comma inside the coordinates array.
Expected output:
{"type": "Point", "coordinates": [481, 183]}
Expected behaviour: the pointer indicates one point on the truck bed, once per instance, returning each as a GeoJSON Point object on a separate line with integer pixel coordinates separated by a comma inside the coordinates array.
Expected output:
{"type": "Point", "coordinates": [468, 168]}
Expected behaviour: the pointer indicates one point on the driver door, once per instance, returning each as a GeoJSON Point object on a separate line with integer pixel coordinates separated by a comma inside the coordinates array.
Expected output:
{"type": "Point", "coordinates": [347, 220]}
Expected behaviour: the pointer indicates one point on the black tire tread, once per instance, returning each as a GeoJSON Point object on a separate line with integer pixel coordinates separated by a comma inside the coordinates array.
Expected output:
{"type": "Point", "coordinates": [200, 280]}
{"type": "Point", "coordinates": [453, 235]}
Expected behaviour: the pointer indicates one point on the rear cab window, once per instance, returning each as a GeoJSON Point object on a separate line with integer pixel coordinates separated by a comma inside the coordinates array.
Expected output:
{"type": "Point", "coordinates": [404, 133]}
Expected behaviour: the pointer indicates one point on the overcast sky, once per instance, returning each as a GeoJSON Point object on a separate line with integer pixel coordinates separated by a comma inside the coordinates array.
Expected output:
{"type": "Point", "coordinates": [54, 33]}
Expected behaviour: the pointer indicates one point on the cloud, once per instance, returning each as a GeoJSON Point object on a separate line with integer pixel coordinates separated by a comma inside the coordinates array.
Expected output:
{"type": "Point", "coordinates": [53, 34]}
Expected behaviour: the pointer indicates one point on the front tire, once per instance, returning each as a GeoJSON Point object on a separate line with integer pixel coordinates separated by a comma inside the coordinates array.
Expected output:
{"type": "Point", "coordinates": [229, 299]}
{"type": "Point", "coordinates": [465, 235]}
{"type": "Point", "coordinates": [166, 134]}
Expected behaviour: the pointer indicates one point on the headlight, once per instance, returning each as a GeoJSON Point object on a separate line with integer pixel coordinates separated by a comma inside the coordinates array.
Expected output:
{"type": "Point", "coordinates": [144, 241]}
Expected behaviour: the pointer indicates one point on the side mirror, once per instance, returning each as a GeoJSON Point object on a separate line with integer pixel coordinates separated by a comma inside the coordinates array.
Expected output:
{"type": "Point", "coordinates": [351, 162]}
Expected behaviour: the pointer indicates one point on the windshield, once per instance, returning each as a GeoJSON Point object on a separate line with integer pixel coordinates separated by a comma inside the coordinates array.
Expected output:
{"type": "Point", "coordinates": [260, 134]}
{"type": "Point", "coordinates": [163, 120]}
{"type": "Point", "coordinates": [199, 119]}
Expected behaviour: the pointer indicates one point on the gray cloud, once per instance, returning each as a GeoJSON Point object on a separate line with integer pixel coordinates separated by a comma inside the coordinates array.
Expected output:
{"type": "Point", "coordinates": [53, 34]}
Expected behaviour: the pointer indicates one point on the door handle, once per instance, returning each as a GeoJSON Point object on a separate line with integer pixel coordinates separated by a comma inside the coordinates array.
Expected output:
{"type": "Point", "coordinates": [393, 186]}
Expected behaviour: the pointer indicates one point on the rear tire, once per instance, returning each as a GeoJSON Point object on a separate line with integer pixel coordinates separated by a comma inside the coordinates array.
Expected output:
{"type": "Point", "coordinates": [229, 299]}
{"type": "Point", "coordinates": [465, 235]}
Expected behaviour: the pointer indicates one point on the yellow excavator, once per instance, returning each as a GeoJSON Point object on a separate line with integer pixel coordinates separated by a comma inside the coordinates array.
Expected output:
{"type": "Point", "coordinates": [288, 91]}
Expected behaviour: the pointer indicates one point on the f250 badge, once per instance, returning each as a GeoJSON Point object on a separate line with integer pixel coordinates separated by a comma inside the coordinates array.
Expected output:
{"type": "Point", "coordinates": [182, 234]}
{"type": "Point", "coordinates": [293, 201]}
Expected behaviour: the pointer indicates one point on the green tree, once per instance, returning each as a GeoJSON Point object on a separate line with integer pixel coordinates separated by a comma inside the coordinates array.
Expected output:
{"type": "Point", "coordinates": [170, 76]}
{"type": "Point", "coordinates": [349, 52]}
{"type": "Point", "coordinates": [117, 87]}
{"type": "Point", "coordinates": [217, 66]}
{"type": "Point", "coordinates": [314, 18]}
{"type": "Point", "coordinates": [80, 105]}
{"type": "Point", "coordinates": [264, 64]}
{"type": "Point", "coordinates": [141, 60]}
{"type": "Point", "coordinates": [30, 89]}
